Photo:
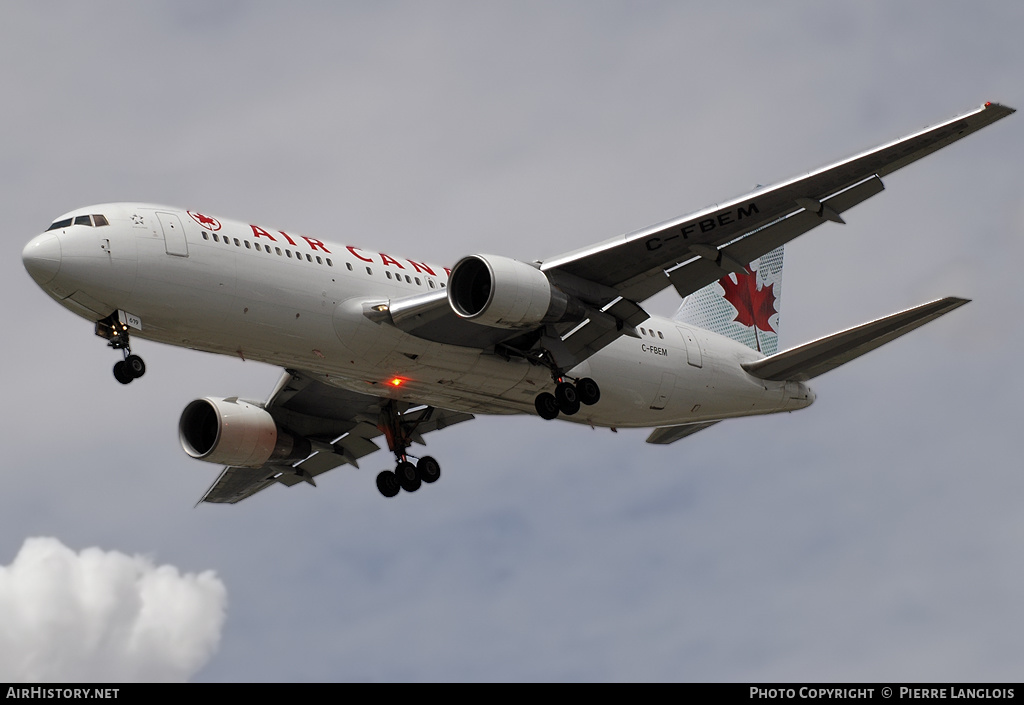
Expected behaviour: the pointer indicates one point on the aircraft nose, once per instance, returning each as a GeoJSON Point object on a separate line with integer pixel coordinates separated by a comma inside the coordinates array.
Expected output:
{"type": "Point", "coordinates": [41, 257]}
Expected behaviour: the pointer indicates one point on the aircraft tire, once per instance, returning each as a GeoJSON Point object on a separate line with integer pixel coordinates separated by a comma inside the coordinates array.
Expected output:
{"type": "Point", "coordinates": [588, 391]}
{"type": "Point", "coordinates": [387, 483]}
{"type": "Point", "coordinates": [547, 407]}
{"type": "Point", "coordinates": [408, 477]}
{"type": "Point", "coordinates": [429, 469]}
{"type": "Point", "coordinates": [567, 398]}
{"type": "Point", "coordinates": [121, 373]}
{"type": "Point", "coordinates": [135, 366]}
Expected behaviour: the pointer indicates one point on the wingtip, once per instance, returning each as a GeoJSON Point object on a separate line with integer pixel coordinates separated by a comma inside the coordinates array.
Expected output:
{"type": "Point", "coordinates": [950, 303]}
{"type": "Point", "coordinates": [1005, 109]}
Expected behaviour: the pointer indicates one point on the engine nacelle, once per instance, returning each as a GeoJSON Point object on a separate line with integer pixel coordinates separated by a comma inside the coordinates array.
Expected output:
{"type": "Point", "coordinates": [234, 432]}
{"type": "Point", "coordinates": [505, 293]}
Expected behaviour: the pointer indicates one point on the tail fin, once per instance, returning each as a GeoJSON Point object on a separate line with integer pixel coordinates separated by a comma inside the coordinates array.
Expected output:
{"type": "Point", "coordinates": [743, 306]}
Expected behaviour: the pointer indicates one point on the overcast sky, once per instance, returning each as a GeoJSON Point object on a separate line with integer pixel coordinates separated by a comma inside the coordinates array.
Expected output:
{"type": "Point", "coordinates": [875, 536]}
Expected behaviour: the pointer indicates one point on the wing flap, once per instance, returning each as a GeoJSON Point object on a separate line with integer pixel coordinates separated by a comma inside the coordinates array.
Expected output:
{"type": "Point", "coordinates": [712, 266]}
{"type": "Point", "coordinates": [235, 484]}
{"type": "Point", "coordinates": [820, 356]}
{"type": "Point", "coordinates": [619, 317]}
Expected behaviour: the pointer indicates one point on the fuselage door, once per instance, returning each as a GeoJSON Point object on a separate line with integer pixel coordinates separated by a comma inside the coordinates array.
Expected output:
{"type": "Point", "coordinates": [668, 383]}
{"type": "Point", "coordinates": [693, 353]}
{"type": "Point", "coordinates": [174, 234]}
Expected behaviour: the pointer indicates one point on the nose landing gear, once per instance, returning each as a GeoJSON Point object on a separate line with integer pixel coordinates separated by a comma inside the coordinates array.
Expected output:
{"type": "Point", "coordinates": [116, 333]}
{"type": "Point", "coordinates": [132, 367]}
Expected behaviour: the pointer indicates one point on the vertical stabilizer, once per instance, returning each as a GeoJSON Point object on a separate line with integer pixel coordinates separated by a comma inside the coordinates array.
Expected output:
{"type": "Point", "coordinates": [743, 306]}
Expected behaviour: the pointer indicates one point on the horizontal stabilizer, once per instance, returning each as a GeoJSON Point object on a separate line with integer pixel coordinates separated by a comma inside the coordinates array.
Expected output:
{"type": "Point", "coordinates": [819, 356]}
{"type": "Point", "coordinates": [671, 434]}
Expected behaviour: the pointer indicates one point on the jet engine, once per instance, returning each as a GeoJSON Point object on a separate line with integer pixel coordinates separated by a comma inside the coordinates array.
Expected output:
{"type": "Point", "coordinates": [235, 432]}
{"type": "Point", "coordinates": [506, 293]}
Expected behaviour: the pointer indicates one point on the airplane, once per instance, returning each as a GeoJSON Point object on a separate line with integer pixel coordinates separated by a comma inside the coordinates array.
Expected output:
{"type": "Point", "coordinates": [378, 345]}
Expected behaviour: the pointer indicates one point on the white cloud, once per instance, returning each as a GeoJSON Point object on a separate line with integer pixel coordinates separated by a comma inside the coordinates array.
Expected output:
{"type": "Point", "coordinates": [104, 616]}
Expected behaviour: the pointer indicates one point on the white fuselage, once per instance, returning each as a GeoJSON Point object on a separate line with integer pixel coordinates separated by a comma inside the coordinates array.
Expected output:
{"type": "Point", "coordinates": [298, 302]}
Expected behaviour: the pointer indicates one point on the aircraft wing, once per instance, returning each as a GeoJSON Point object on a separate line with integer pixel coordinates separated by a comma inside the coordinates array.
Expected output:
{"type": "Point", "coordinates": [341, 425]}
{"type": "Point", "coordinates": [688, 252]}
{"type": "Point", "coordinates": [692, 251]}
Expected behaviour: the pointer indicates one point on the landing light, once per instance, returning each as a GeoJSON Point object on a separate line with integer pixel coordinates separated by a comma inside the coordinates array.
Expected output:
{"type": "Point", "coordinates": [396, 381]}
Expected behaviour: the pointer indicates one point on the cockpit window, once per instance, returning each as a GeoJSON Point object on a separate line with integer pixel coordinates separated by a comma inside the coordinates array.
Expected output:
{"type": "Point", "coordinates": [90, 220]}
{"type": "Point", "coordinates": [57, 225]}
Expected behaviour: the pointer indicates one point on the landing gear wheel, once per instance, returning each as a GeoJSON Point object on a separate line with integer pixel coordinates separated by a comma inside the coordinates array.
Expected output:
{"type": "Point", "coordinates": [387, 483]}
{"type": "Point", "coordinates": [567, 398]}
{"type": "Point", "coordinates": [408, 478]}
{"type": "Point", "coordinates": [121, 373]}
{"type": "Point", "coordinates": [134, 365]}
{"type": "Point", "coordinates": [547, 407]}
{"type": "Point", "coordinates": [428, 469]}
{"type": "Point", "coordinates": [588, 391]}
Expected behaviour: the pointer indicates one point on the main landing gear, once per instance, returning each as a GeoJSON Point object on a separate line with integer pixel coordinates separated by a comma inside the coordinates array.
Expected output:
{"type": "Point", "coordinates": [567, 397]}
{"type": "Point", "coordinates": [116, 333]}
{"type": "Point", "coordinates": [406, 476]}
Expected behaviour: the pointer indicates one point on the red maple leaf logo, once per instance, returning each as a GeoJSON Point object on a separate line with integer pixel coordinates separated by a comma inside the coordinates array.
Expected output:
{"type": "Point", "coordinates": [205, 221]}
{"type": "Point", "coordinates": [753, 306]}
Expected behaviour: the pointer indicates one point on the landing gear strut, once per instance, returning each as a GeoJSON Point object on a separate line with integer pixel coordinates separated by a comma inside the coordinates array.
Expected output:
{"type": "Point", "coordinates": [116, 333]}
{"type": "Point", "coordinates": [407, 475]}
